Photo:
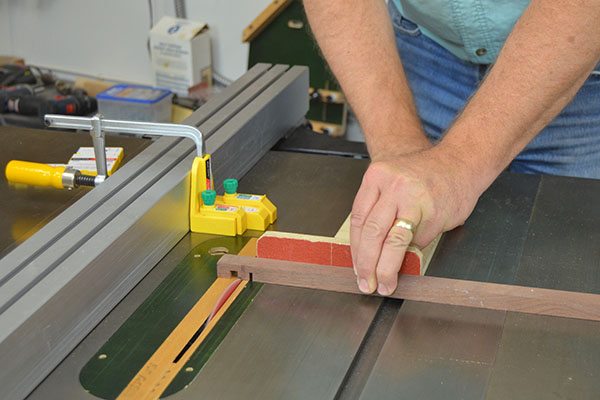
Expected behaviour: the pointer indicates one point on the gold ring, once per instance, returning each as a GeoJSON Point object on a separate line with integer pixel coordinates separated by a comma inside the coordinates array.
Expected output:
{"type": "Point", "coordinates": [406, 224]}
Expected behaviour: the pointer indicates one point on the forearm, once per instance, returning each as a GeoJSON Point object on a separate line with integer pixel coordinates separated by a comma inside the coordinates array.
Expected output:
{"type": "Point", "coordinates": [357, 40]}
{"type": "Point", "coordinates": [549, 54]}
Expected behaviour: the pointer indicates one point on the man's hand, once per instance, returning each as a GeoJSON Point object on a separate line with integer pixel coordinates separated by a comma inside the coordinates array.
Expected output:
{"type": "Point", "coordinates": [425, 188]}
{"type": "Point", "coordinates": [547, 57]}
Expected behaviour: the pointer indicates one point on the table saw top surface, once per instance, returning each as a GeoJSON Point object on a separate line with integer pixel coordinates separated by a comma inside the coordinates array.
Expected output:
{"type": "Point", "coordinates": [300, 343]}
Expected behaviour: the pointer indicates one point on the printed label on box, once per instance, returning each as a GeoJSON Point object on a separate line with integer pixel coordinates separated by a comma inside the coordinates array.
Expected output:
{"type": "Point", "coordinates": [85, 159]}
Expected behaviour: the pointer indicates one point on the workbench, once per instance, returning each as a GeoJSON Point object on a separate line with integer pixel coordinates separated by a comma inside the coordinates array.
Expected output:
{"type": "Point", "coordinates": [293, 343]}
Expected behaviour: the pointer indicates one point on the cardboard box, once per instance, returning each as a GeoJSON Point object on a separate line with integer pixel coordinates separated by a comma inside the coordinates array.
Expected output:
{"type": "Point", "coordinates": [181, 55]}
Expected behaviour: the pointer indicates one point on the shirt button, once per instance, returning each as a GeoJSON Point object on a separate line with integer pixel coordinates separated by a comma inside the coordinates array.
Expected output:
{"type": "Point", "coordinates": [481, 52]}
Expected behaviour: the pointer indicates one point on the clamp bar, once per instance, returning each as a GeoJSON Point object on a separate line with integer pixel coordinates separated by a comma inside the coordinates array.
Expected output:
{"type": "Point", "coordinates": [134, 127]}
{"type": "Point", "coordinates": [99, 147]}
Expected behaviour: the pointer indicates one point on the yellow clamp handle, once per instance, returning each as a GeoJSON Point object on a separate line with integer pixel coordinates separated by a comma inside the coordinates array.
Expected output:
{"type": "Point", "coordinates": [36, 174]}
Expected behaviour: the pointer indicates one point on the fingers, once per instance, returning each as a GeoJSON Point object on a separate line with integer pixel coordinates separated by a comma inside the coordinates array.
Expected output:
{"type": "Point", "coordinates": [378, 248]}
{"type": "Point", "coordinates": [372, 236]}
{"type": "Point", "coordinates": [364, 201]}
{"type": "Point", "coordinates": [412, 187]}
{"type": "Point", "coordinates": [393, 250]}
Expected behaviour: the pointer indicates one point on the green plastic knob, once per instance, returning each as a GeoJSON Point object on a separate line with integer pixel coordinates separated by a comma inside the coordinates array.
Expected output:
{"type": "Point", "coordinates": [230, 185]}
{"type": "Point", "coordinates": [209, 197]}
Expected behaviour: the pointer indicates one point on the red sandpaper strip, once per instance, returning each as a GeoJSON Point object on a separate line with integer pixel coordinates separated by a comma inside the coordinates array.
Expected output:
{"type": "Point", "coordinates": [319, 250]}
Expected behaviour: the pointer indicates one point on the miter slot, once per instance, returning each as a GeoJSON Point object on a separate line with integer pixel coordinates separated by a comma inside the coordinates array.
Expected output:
{"type": "Point", "coordinates": [368, 352]}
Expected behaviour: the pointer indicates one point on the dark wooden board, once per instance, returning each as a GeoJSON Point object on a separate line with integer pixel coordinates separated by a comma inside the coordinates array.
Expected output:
{"type": "Point", "coordinates": [494, 296]}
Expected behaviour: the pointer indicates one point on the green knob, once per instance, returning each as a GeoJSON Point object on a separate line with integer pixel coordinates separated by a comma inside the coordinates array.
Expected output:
{"type": "Point", "coordinates": [230, 185]}
{"type": "Point", "coordinates": [209, 197]}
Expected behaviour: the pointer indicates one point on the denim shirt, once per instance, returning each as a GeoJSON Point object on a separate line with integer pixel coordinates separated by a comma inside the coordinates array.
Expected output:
{"type": "Point", "coordinates": [474, 30]}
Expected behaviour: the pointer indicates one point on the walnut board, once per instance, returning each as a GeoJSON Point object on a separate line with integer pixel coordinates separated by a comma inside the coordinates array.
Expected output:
{"type": "Point", "coordinates": [556, 303]}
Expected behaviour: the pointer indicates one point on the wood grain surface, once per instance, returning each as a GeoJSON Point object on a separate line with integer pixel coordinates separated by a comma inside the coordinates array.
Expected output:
{"type": "Point", "coordinates": [557, 303]}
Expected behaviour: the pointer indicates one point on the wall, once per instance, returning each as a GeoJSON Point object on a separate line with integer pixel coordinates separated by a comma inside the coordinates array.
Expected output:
{"type": "Point", "coordinates": [108, 38]}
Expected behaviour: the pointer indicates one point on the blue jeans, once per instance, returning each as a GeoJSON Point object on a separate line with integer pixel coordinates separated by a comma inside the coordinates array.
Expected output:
{"type": "Point", "coordinates": [441, 83]}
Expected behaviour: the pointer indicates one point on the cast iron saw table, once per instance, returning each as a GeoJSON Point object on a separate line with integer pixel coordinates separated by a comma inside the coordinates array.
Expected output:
{"type": "Point", "coordinates": [301, 343]}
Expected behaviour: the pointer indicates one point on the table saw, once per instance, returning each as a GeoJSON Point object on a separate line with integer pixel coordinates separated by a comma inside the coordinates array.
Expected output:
{"type": "Point", "coordinates": [89, 297]}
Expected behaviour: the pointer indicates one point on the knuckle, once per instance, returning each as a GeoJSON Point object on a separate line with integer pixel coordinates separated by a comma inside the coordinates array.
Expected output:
{"type": "Point", "coordinates": [358, 218]}
{"type": "Point", "coordinates": [398, 238]}
{"type": "Point", "coordinates": [373, 230]}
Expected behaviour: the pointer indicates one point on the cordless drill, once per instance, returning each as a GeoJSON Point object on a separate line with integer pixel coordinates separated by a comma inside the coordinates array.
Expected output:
{"type": "Point", "coordinates": [20, 99]}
